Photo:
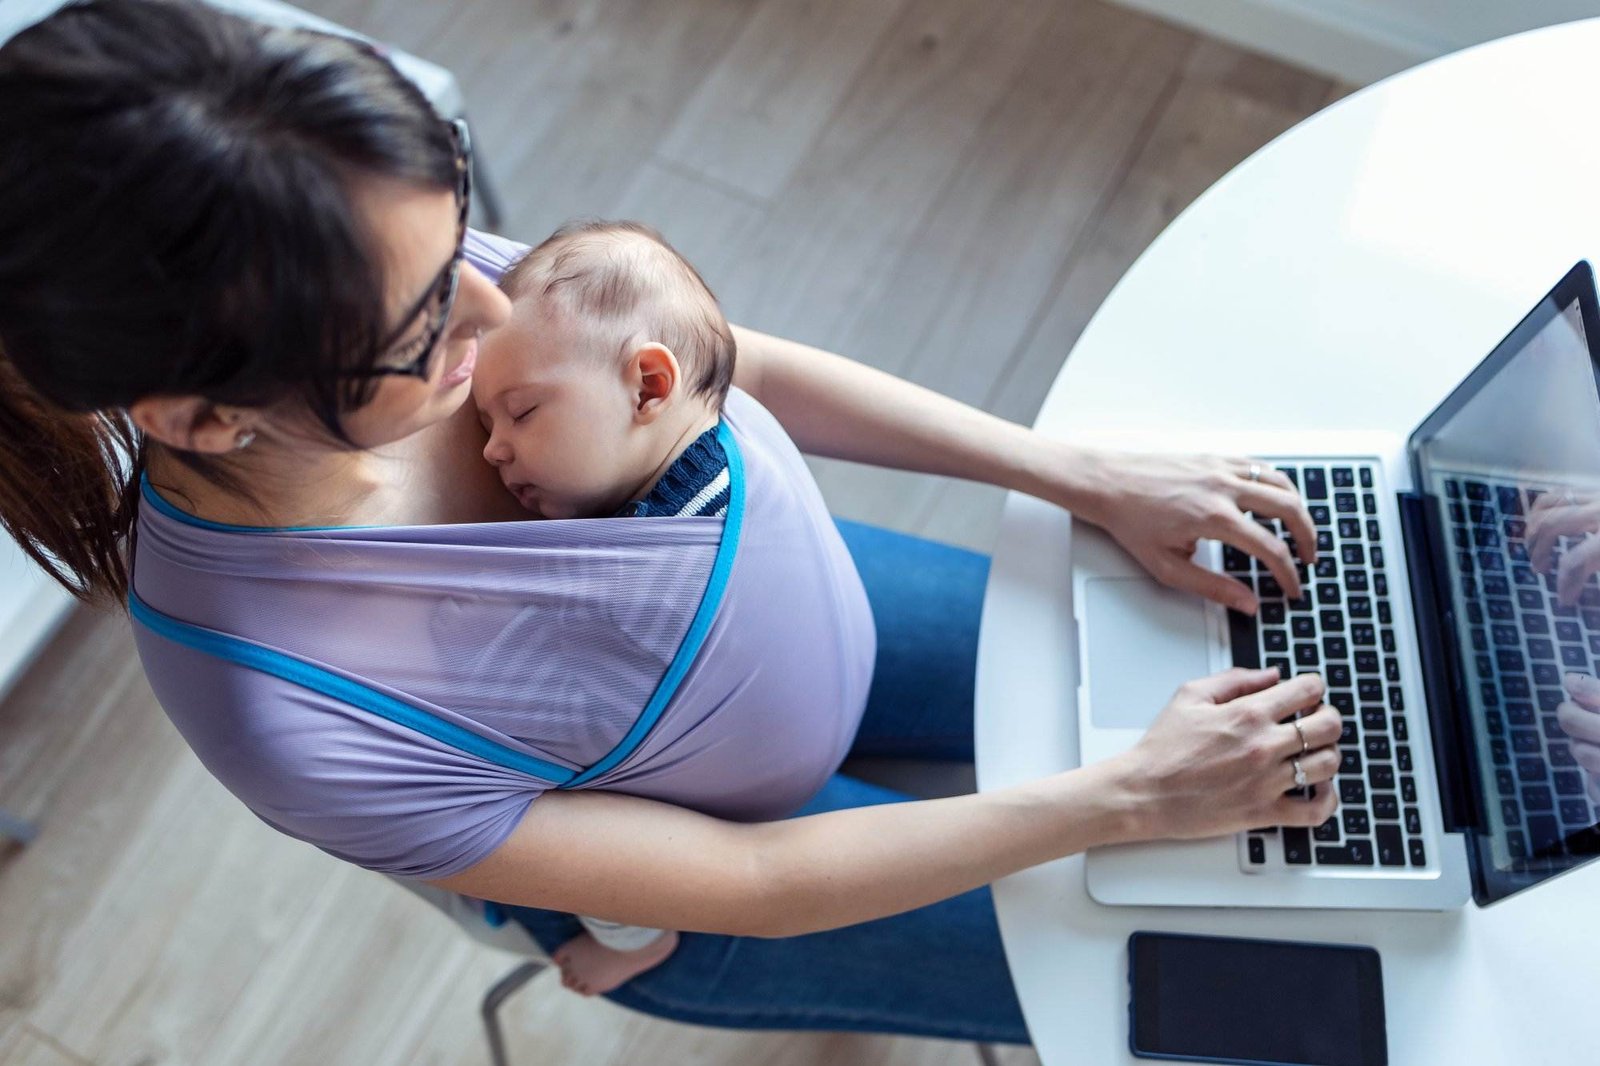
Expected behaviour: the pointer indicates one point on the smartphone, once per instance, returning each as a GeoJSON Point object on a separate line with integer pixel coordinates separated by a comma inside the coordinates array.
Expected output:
{"type": "Point", "coordinates": [1255, 1002]}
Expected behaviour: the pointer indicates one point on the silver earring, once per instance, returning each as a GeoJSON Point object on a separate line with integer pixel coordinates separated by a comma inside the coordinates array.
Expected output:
{"type": "Point", "coordinates": [244, 440]}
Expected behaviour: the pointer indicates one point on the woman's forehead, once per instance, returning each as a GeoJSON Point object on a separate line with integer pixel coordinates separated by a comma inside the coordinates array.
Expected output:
{"type": "Point", "coordinates": [413, 231]}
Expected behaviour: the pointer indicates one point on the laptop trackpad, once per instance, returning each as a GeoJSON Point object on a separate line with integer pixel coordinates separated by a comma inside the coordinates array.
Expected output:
{"type": "Point", "coordinates": [1142, 641]}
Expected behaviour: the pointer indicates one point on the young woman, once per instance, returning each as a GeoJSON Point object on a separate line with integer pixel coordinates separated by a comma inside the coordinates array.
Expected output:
{"type": "Point", "coordinates": [239, 309]}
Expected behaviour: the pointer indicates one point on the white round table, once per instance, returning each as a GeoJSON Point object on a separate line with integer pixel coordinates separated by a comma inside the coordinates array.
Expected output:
{"type": "Point", "coordinates": [1346, 276]}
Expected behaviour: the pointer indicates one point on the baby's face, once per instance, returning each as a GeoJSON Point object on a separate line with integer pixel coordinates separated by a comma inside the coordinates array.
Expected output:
{"type": "Point", "coordinates": [559, 417]}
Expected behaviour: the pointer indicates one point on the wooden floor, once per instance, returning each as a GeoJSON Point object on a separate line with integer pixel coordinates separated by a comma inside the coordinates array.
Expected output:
{"type": "Point", "coordinates": [944, 188]}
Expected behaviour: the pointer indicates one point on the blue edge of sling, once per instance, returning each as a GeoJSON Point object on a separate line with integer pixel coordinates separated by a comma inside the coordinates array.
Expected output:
{"type": "Point", "coordinates": [319, 679]}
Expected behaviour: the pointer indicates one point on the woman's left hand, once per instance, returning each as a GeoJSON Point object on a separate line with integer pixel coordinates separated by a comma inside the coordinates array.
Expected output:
{"type": "Point", "coordinates": [1158, 507]}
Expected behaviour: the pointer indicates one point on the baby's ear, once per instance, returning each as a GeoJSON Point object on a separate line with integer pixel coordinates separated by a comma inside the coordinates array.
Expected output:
{"type": "Point", "coordinates": [653, 376]}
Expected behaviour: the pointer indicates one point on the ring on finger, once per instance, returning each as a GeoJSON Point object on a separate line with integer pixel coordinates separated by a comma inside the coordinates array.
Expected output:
{"type": "Point", "coordinates": [1255, 471]}
{"type": "Point", "coordinates": [1300, 779]}
{"type": "Point", "coordinates": [1304, 747]}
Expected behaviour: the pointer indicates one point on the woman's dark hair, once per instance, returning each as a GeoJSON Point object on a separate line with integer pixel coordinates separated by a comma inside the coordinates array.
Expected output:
{"type": "Point", "coordinates": [176, 218]}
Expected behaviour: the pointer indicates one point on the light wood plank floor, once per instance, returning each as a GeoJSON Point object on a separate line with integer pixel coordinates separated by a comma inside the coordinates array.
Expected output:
{"type": "Point", "coordinates": [943, 188]}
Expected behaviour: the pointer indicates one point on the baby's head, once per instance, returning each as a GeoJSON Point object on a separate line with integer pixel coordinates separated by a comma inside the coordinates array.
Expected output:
{"type": "Point", "coordinates": [616, 355]}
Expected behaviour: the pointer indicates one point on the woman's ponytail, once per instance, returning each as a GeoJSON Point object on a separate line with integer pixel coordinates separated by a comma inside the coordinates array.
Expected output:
{"type": "Point", "coordinates": [68, 488]}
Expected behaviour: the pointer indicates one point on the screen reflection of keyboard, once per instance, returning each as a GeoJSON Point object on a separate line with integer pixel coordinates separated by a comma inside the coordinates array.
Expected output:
{"type": "Point", "coordinates": [1521, 641]}
{"type": "Point", "coordinates": [1342, 625]}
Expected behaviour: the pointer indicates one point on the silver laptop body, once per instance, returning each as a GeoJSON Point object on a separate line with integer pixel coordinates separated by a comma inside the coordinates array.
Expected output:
{"type": "Point", "coordinates": [1406, 836]}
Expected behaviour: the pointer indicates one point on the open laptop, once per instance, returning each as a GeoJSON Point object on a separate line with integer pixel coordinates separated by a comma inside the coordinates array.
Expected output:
{"type": "Point", "coordinates": [1443, 647]}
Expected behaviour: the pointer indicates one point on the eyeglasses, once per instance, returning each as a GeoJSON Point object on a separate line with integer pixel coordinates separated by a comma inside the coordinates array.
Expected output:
{"type": "Point", "coordinates": [443, 289]}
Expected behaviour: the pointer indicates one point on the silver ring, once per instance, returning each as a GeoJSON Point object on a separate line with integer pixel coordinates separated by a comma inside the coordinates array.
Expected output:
{"type": "Point", "coordinates": [1304, 747]}
{"type": "Point", "coordinates": [244, 440]}
{"type": "Point", "coordinates": [1300, 779]}
{"type": "Point", "coordinates": [1255, 471]}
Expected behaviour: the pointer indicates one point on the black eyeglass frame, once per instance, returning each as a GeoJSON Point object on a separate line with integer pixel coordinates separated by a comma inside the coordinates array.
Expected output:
{"type": "Point", "coordinates": [449, 278]}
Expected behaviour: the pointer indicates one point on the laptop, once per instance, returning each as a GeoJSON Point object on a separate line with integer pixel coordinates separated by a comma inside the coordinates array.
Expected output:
{"type": "Point", "coordinates": [1443, 642]}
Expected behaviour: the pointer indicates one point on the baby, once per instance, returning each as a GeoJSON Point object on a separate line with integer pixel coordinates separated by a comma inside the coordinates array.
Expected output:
{"type": "Point", "coordinates": [603, 392]}
{"type": "Point", "coordinates": [601, 397]}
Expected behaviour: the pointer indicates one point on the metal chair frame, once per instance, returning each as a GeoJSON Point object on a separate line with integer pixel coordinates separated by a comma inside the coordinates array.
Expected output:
{"type": "Point", "coordinates": [921, 778]}
{"type": "Point", "coordinates": [508, 985]}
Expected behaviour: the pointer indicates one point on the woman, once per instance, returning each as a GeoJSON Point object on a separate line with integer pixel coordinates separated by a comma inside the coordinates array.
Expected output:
{"type": "Point", "coordinates": [239, 257]}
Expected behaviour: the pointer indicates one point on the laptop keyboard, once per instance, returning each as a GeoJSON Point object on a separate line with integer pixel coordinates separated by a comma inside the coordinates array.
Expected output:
{"type": "Point", "coordinates": [1342, 626]}
{"type": "Point", "coordinates": [1522, 642]}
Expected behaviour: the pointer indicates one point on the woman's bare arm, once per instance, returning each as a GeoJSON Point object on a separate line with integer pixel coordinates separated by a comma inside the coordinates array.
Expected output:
{"type": "Point", "coordinates": [1216, 761]}
{"type": "Point", "coordinates": [649, 863]}
{"type": "Point", "coordinates": [1156, 506]}
{"type": "Point", "coordinates": [842, 409]}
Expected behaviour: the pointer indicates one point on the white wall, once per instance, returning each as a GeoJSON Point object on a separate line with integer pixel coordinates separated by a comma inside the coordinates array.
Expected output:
{"type": "Point", "coordinates": [1361, 41]}
{"type": "Point", "coordinates": [31, 607]}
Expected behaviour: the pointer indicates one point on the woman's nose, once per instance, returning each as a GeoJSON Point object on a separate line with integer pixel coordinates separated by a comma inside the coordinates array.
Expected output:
{"type": "Point", "coordinates": [482, 306]}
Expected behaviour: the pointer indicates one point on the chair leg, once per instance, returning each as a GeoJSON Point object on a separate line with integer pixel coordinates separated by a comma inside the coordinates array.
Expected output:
{"type": "Point", "coordinates": [497, 995]}
{"type": "Point", "coordinates": [986, 1055]}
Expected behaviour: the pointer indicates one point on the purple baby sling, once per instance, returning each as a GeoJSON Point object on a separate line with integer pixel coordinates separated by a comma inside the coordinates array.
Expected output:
{"type": "Point", "coordinates": [399, 695]}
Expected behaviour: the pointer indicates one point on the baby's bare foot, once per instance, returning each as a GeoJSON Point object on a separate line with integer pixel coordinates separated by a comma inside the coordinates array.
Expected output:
{"type": "Point", "coordinates": [589, 968]}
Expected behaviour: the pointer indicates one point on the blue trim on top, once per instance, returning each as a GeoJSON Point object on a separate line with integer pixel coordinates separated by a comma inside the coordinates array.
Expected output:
{"type": "Point", "coordinates": [156, 500]}
{"type": "Point", "coordinates": [317, 679]}
{"type": "Point", "coordinates": [716, 586]}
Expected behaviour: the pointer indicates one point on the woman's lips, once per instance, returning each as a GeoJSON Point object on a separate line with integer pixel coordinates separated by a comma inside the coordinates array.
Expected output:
{"type": "Point", "coordinates": [463, 370]}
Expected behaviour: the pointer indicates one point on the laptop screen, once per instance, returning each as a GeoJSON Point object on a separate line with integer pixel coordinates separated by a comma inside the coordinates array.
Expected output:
{"type": "Point", "coordinates": [1510, 465]}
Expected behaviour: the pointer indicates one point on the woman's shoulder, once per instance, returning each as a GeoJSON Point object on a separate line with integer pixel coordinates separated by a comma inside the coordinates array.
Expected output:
{"type": "Point", "coordinates": [491, 253]}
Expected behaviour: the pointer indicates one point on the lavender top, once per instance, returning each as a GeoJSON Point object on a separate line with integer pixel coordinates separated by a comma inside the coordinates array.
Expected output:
{"type": "Point", "coordinates": [399, 695]}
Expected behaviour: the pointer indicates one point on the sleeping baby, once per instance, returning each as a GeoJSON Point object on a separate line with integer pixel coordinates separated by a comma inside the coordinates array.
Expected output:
{"type": "Point", "coordinates": [601, 396]}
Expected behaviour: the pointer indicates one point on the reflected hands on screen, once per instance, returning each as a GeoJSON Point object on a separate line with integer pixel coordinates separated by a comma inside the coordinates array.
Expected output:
{"type": "Point", "coordinates": [1580, 718]}
{"type": "Point", "coordinates": [1575, 516]}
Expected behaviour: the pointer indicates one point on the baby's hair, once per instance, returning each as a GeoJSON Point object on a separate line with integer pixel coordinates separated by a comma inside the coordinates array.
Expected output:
{"type": "Point", "coordinates": [626, 279]}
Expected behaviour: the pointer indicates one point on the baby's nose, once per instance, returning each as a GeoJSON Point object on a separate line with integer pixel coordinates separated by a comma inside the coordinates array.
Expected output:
{"type": "Point", "coordinates": [497, 451]}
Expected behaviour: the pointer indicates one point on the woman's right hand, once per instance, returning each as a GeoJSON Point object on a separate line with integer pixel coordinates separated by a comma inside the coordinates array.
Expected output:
{"type": "Point", "coordinates": [1218, 758]}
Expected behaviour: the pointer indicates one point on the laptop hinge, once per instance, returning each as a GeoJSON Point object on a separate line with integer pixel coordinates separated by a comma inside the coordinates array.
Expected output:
{"type": "Point", "coordinates": [1454, 757]}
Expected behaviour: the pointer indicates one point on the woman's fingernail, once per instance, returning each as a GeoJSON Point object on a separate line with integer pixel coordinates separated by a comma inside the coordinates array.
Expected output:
{"type": "Point", "coordinates": [1577, 683]}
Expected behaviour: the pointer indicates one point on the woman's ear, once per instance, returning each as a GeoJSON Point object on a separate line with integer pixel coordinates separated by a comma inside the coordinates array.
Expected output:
{"type": "Point", "coordinates": [193, 424]}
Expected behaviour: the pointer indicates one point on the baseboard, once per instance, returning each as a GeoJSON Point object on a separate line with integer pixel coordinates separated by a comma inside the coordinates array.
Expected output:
{"type": "Point", "coordinates": [1341, 41]}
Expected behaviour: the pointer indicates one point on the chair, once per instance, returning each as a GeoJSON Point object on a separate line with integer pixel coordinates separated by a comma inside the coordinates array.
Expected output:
{"type": "Point", "coordinates": [927, 780]}
{"type": "Point", "coordinates": [509, 937]}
